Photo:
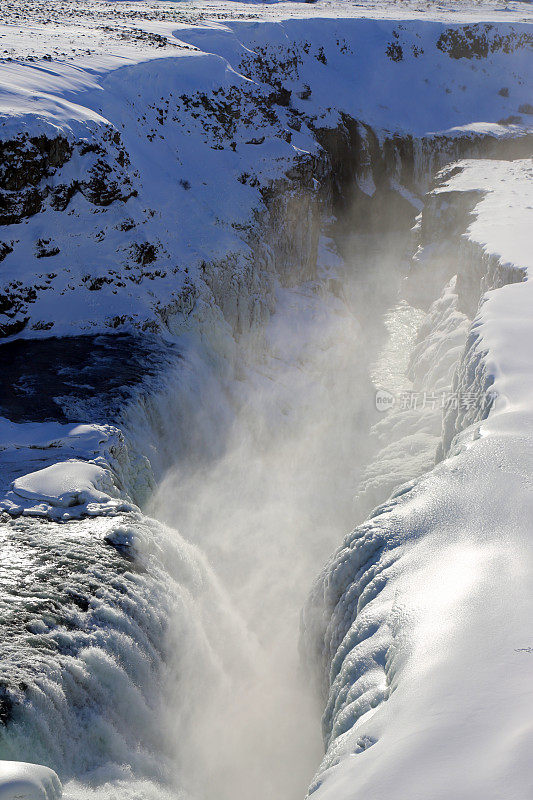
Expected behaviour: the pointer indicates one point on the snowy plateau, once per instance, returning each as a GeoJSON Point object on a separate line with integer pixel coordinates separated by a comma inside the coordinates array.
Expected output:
{"type": "Point", "coordinates": [266, 400]}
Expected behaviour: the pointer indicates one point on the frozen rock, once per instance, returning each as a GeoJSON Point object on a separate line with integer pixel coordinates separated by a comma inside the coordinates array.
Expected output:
{"type": "Point", "coordinates": [70, 483]}
{"type": "Point", "coordinates": [83, 486]}
{"type": "Point", "coordinates": [22, 781]}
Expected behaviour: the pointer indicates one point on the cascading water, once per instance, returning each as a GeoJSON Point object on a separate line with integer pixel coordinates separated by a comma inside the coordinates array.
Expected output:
{"type": "Point", "coordinates": [266, 506]}
{"type": "Point", "coordinates": [259, 469]}
{"type": "Point", "coordinates": [154, 654]}
{"type": "Point", "coordinates": [258, 457]}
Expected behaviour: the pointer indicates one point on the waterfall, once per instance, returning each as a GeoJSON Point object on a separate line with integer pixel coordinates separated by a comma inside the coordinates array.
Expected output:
{"type": "Point", "coordinates": [167, 512]}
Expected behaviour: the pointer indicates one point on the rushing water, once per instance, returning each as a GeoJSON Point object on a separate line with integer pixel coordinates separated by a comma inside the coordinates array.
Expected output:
{"type": "Point", "coordinates": [168, 643]}
{"type": "Point", "coordinates": [390, 368]}
{"type": "Point", "coordinates": [267, 511]}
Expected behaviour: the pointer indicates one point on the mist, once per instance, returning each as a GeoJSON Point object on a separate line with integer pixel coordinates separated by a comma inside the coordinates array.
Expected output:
{"type": "Point", "coordinates": [266, 509]}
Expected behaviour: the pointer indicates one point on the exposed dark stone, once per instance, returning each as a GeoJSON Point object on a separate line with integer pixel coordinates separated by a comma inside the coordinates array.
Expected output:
{"type": "Point", "coordinates": [26, 161]}
{"type": "Point", "coordinates": [144, 253]}
{"type": "Point", "coordinates": [305, 94]}
{"type": "Point", "coordinates": [127, 225]}
{"type": "Point", "coordinates": [94, 284]}
{"type": "Point", "coordinates": [395, 51]}
{"type": "Point", "coordinates": [14, 207]}
{"type": "Point", "coordinates": [353, 149]}
{"type": "Point", "coordinates": [62, 195]}
{"type": "Point", "coordinates": [101, 189]}
{"type": "Point", "coordinates": [41, 325]}
{"type": "Point", "coordinates": [6, 705]}
{"type": "Point", "coordinates": [5, 250]}
{"type": "Point", "coordinates": [321, 56]}
{"type": "Point", "coordinates": [478, 41]}
{"type": "Point", "coordinates": [45, 249]}
{"type": "Point", "coordinates": [281, 97]}
{"type": "Point", "coordinates": [12, 328]}
{"type": "Point", "coordinates": [15, 298]}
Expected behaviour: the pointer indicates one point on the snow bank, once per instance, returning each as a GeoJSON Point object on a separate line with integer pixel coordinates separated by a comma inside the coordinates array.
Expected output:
{"type": "Point", "coordinates": [66, 471]}
{"type": "Point", "coordinates": [421, 619]}
{"type": "Point", "coordinates": [43, 435]}
{"type": "Point", "coordinates": [21, 781]}
{"type": "Point", "coordinates": [80, 486]}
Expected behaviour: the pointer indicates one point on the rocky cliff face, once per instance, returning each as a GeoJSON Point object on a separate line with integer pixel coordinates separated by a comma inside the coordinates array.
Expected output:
{"type": "Point", "coordinates": [144, 200]}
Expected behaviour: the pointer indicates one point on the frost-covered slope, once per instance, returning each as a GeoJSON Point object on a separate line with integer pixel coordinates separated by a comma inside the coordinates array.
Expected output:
{"type": "Point", "coordinates": [421, 619]}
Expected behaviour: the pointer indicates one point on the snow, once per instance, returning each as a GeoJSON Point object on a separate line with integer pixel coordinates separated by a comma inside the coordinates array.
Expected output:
{"type": "Point", "coordinates": [52, 434]}
{"type": "Point", "coordinates": [421, 617]}
{"type": "Point", "coordinates": [504, 217]}
{"type": "Point", "coordinates": [449, 606]}
{"type": "Point", "coordinates": [430, 599]}
{"type": "Point", "coordinates": [78, 470]}
{"type": "Point", "coordinates": [21, 781]}
{"type": "Point", "coordinates": [81, 487]}
{"type": "Point", "coordinates": [123, 85]}
{"type": "Point", "coordinates": [69, 483]}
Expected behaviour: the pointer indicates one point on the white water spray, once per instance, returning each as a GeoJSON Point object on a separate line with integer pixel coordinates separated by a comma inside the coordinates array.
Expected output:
{"type": "Point", "coordinates": [267, 511]}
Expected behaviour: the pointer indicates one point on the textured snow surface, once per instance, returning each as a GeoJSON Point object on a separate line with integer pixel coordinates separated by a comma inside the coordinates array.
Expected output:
{"type": "Point", "coordinates": [68, 470]}
{"type": "Point", "coordinates": [504, 216]}
{"type": "Point", "coordinates": [424, 612]}
{"type": "Point", "coordinates": [67, 484]}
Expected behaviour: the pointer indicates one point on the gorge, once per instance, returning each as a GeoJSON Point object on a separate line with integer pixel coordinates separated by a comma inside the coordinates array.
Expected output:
{"type": "Point", "coordinates": [228, 236]}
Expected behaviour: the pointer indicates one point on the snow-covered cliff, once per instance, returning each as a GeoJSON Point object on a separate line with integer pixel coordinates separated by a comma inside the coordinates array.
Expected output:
{"type": "Point", "coordinates": [166, 181]}
{"type": "Point", "coordinates": [420, 618]}
{"type": "Point", "coordinates": [134, 176]}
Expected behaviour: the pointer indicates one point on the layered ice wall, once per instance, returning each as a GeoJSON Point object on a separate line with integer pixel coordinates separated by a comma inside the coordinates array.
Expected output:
{"type": "Point", "coordinates": [420, 619]}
